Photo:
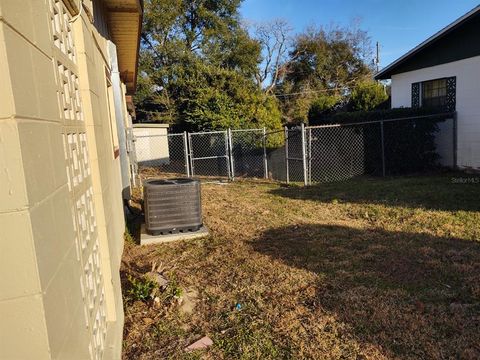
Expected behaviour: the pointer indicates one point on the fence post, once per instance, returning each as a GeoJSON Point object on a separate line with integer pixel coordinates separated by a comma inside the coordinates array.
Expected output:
{"type": "Point", "coordinates": [287, 178]}
{"type": "Point", "coordinates": [185, 153]}
{"type": "Point", "coordinates": [230, 154]}
{"type": "Point", "coordinates": [309, 156]}
{"type": "Point", "coordinates": [190, 148]}
{"type": "Point", "coordinates": [455, 141]}
{"type": "Point", "coordinates": [265, 161]}
{"type": "Point", "coordinates": [304, 155]}
{"type": "Point", "coordinates": [383, 148]}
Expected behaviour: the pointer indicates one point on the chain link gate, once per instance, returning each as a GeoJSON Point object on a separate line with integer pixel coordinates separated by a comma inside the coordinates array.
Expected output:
{"type": "Point", "coordinates": [249, 153]}
{"type": "Point", "coordinates": [210, 154]}
{"type": "Point", "coordinates": [295, 155]}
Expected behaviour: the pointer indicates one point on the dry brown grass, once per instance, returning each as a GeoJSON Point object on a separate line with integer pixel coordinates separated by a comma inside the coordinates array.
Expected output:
{"type": "Point", "coordinates": [367, 269]}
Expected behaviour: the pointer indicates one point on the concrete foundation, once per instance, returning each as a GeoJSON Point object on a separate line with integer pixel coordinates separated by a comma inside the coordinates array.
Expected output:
{"type": "Point", "coordinates": [147, 239]}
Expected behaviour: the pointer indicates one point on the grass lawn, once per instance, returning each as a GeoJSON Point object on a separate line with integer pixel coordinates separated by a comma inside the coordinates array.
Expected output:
{"type": "Point", "coordinates": [364, 269]}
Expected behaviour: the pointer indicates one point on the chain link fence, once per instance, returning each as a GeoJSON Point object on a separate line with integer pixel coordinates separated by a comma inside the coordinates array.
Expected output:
{"type": "Point", "coordinates": [336, 153]}
{"type": "Point", "coordinates": [167, 153]}
{"type": "Point", "coordinates": [306, 155]}
{"type": "Point", "coordinates": [276, 155]}
{"type": "Point", "coordinates": [249, 153]}
{"type": "Point", "coordinates": [295, 154]}
{"type": "Point", "coordinates": [379, 148]}
{"type": "Point", "coordinates": [209, 154]}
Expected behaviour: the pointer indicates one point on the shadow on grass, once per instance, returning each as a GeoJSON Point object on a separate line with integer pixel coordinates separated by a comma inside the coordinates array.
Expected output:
{"type": "Point", "coordinates": [450, 192]}
{"type": "Point", "coordinates": [411, 295]}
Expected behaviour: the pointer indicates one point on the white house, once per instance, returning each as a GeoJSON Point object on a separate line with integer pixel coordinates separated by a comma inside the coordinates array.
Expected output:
{"type": "Point", "coordinates": [444, 70]}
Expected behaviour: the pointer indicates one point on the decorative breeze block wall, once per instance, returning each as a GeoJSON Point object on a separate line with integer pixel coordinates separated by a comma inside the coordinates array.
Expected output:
{"type": "Point", "coordinates": [79, 176]}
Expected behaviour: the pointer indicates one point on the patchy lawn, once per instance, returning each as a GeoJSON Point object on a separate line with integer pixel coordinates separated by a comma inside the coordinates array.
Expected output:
{"type": "Point", "coordinates": [365, 269]}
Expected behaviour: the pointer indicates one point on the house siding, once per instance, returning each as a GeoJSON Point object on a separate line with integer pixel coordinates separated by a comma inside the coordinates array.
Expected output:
{"type": "Point", "coordinates": [61, 212]}
{"type": "Point", "coordinates": [467, 73]}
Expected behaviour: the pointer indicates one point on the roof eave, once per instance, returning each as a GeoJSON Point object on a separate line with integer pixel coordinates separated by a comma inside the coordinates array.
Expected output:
{"type": "Point", "coordinates": [118, 16]}
{"type": "Point", "coordinates": [388, 71]}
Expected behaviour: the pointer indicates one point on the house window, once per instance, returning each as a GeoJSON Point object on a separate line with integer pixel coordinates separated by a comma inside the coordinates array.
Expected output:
{"type": "Point", "coordinates": [434, 93]}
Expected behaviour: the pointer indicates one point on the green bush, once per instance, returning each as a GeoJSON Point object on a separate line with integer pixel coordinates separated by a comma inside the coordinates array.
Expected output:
{"type": "Point", "coordinates": [367, 96]}
{"type": "Point", "coordinates": [321, 106]}
{"type": "Point", "coordinates": [377, 115]}
{"type": "Point", "coordinates": [409, 145]}
{"type": "Point", "coordinates": [140, 289]}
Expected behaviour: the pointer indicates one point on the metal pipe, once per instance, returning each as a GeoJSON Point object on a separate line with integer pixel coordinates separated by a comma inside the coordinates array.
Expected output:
{"type": "Point", "coordinates": [265, 160]}
{"type": "Point", "coordinates": [185, 153]}
{"type": "Point", "coordinates": [190, 147]}
{"type": "Point", "coordinates": [245, 130]}
{"type": "Point", "coordinates": [383, 148]}
{"type": "Point", "coordinates": [304, 154]}
{"type": "Point", "coordinates": [228, 148]}
{"type": "Point", "coordinates": [212, 157]}
{"type": "Point", "coordinates": [210, 132]}
{"type": "Point", "coordinates": [455, 141]}
{"type": "Point", "coordinates": [310, 156]}
{"type": "Point", "coordinates": [287, 178]}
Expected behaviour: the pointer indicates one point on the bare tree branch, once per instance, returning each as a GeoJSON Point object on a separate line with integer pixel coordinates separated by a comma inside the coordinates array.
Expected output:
{"type": "Point", "coordinates": [275, 39]}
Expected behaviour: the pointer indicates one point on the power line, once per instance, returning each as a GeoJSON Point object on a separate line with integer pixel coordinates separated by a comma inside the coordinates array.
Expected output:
{"type": "Point", "coordinates": [344, 88]}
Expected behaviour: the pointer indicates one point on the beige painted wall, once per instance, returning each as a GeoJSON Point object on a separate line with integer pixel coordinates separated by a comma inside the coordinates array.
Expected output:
{"type": "Point", "coordinates": [61, 214]}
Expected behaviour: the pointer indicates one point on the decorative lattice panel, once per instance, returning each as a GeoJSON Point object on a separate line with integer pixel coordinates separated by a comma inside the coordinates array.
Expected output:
{"type": "Point", "coordinates": [62, 29]}
{"type": "Point", "coordinates": [69, 93]}
{"type": "Point", "coordinates": [79, 175]}
{"type": "Point", "coordinates": [76, 154]}
{"type": "Point", "coordinates": [415, 95]}
{"type": "Point", "coordinates": [451, 93]}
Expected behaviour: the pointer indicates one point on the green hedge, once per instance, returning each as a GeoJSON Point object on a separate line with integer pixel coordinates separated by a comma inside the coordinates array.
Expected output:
{"type": "Point", "coordinates": [409, 144]}
{"type": "Point", "coordinates": [366, 116]}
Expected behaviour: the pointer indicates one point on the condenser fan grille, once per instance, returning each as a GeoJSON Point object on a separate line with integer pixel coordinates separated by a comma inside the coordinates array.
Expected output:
{"type": "Point", "coordinates": [172, 206]}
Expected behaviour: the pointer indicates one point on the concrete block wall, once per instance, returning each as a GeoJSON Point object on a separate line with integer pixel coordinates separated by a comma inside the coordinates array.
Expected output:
{"type": "Point", "coordinates": [467, 72]}
{"type": "Point", "coordinates": [61, 214]}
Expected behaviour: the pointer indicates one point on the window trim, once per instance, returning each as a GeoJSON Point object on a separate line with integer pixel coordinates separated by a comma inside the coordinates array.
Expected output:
{"type": "Point", "coordinates": [450, 96]}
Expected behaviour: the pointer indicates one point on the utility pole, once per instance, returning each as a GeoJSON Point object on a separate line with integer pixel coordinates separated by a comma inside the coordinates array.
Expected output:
{"type": "Point", "coordinates": [377, 58]}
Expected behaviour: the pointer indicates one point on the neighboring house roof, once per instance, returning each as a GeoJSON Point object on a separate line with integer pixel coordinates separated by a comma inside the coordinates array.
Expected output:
{"type": "Point", "coordinates": [457, 41]}
{"type": "Point", "coordinates": [124, 19]}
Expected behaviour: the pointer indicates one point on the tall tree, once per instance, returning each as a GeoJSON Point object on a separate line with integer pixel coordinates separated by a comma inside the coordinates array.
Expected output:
{"type": "Point", "coordinates": [197, 66]}
{"type": "Point", "coordinates": [275, 39]}
{"type": "Point", "coordinates": [323, 61]}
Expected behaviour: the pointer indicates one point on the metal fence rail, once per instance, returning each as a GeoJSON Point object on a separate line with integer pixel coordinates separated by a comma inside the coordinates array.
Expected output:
{"type": "Point", "coordinates": [303, 154]}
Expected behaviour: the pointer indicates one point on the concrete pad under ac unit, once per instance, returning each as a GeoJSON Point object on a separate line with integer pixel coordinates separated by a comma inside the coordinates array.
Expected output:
{"type": "Point", "coordinates": [147, 239]}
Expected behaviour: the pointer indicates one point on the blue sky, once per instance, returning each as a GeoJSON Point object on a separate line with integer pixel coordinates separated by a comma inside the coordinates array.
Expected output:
{"type": "Point", "coordinates": [399, 25]}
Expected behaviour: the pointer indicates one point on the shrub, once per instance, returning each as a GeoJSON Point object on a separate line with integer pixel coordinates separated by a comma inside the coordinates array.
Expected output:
{"type": "Point", "coordinates": [409, 145]}
{"type": "Point", "coordinates": [367, 96]}
{"type": "Point", "coordinates": [321, 106]}
{"type": "Point", "coordinates": [377, 115]}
